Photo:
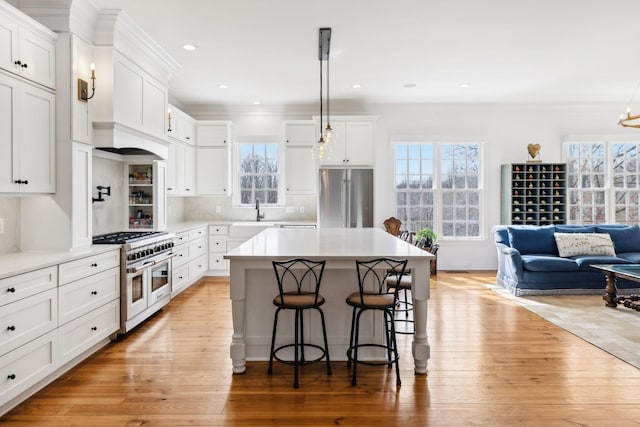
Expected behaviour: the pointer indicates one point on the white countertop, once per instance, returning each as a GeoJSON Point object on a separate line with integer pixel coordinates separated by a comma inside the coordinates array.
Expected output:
{"type": "Point", "coordinates": [327, 243]}
{"type": "Point", "coordinates": [23, 262]}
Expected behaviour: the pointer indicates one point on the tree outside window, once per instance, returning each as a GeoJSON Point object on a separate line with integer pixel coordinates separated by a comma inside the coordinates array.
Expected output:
{"type": "Point", "coordinates": [259, 173]}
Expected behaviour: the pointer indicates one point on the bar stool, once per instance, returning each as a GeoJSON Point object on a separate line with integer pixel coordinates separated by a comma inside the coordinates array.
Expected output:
{"type": "Point", "coordinates": [404, 305]}
{"type": "Point", "coordinates": [372, 295]}
{"type": "Point", "coordinates": [294, 276]}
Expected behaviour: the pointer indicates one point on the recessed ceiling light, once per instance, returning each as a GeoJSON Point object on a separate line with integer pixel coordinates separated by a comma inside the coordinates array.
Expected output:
{"type": "Point", "coordinates": [189, 47]}
{"type": "Point", "coordinates": [464, 85]}
{"type": "Point", "coordinates": [257, 102]}
{"type": "Point", "coordinates": [356, 86]}
{"type": "Point", "coordinates": [409, 85]}
{"type": "Point", "coordinates": [223, 86]}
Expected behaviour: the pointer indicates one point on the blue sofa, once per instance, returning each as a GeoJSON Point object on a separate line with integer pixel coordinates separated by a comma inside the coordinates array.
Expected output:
{"type": "Point", "coordinates": [529, 262]}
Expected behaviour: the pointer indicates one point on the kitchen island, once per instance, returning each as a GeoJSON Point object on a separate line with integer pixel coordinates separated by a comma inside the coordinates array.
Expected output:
{"type": "Point", "coordinates": [253, 287]}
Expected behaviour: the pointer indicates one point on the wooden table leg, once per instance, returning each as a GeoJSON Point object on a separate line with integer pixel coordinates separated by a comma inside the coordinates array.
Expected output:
{"type": "Point", "coordinates": [610, 297]}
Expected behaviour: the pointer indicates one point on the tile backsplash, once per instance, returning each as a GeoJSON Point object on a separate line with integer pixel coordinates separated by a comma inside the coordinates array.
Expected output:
{"type": "Point", "coordinates": [10, 212]}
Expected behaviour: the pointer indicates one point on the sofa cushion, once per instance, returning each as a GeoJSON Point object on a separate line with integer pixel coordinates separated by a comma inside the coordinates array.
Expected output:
{"type": "Point", "coordinates": [585, 262]}
{"type": "Point", "coordinates": [548, 263]}
{"type": "Point", "coordinates": [571, 244]}
{"type": "Point", "coordinates": [575, 229]}
{"type": "Point", "coordinates": [632, 257]}
{"type": "Point", "coordinates": [625, 238]}
{"type": "Point", "coordinates": [533, 239]}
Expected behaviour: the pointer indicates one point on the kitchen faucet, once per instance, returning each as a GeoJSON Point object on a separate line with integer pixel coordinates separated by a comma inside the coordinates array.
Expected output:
{"type": "Point", "coordinates": [258, 216]}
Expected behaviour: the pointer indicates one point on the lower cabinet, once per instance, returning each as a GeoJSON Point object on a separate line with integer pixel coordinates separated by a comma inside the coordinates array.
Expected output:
{"type": "Point", "coordinates": [190, 261]}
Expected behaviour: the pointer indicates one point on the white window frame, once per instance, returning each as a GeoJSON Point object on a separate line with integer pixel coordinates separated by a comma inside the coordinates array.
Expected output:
{"type": "Point", "coordinates": [610, 191]}
{"type": "Point", "coordinates": [438, 191]}
{"type": "Point", "coordinates": [236, 199]}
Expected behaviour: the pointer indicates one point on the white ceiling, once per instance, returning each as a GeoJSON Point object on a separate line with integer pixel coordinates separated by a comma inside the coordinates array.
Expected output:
{"type": "Point", "coordinates": [509, 51]}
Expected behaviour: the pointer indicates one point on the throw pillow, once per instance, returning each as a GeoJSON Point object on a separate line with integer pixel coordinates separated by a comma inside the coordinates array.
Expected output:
{"type": "Point", "coordinates": [571, 244]}
{"type": "Point", "coordinates": [529, 239]}
{"type": "Point", "coordinates": [625, 238]}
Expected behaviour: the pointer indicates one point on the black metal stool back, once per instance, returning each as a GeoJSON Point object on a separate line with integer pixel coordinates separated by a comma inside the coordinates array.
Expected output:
{"type": "Point", "coordinates": [298, 289]}
{"type": "Point", "coordinates": [373, 295]}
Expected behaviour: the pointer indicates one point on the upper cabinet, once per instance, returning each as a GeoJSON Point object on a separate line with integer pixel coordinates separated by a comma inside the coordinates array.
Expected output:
{"type": "Point", "coordinates": [351, 142]}
{"type": "Point", "coordinates": [27, 129]}
{"type": "Point", "coordinates": [214, 133]}
{"type": "Point", "coordinates": [300, 168]}
{"type": "Point", "coordinates": [27, 48]}
{"type": "Point", "coordinates": [182, 127]}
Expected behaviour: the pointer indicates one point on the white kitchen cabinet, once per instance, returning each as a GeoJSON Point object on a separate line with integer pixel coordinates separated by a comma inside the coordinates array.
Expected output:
{"type": "Point", "coordinates": [183, 126]}
{"type": "Point", "coordinates": [85, 295]}
{"type": "Point", "coordinates": [351, 143]}
{"type": "Point", "coordinates": [21, 286]}
{"type": "Point", "coordinates": [218, 236]}
{"type": "Point", "coordinates": [214, 133]}
{"type": "Point", "coordinates": [27, 129]}
{"type": "Point", "coordinates": [190, 261]}
{"type": "Point", "coordinates": [180, 170]}
{"type": "Point", "coordinates": [27, 48]}
{"type": "Point", "coordinates": [146, 195]}
{"type": "Point", "coordinates": [212, 171]}
{"type": "Point", "coordinates": [299, 167]}
{"type": "Point", "coordinates": [82, 173]}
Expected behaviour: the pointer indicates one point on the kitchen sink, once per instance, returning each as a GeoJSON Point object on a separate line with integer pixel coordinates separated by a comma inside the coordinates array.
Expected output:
{"type": "Point", "coordinates": [248, 229]}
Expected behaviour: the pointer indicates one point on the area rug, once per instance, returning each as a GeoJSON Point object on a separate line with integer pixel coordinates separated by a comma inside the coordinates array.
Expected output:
{"type": "Point", "coordinates": [614, 330]}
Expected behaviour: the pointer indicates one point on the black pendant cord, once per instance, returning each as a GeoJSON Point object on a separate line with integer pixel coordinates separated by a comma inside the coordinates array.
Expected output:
{"type": "Point", "coordinates": [321, 128]}
{"type": "Point", "coordinates": [328, 105]}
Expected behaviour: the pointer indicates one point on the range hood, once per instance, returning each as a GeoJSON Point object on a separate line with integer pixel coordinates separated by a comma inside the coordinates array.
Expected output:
{"type": "Point", "coordinates": [120, 139]}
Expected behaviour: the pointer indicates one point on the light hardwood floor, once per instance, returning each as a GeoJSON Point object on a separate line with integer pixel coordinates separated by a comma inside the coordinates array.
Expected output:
{"type": "Point", "coordinates": [493, 363]}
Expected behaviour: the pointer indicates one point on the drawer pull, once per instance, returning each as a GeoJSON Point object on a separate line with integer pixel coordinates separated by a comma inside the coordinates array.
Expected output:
{"type": "Point", "coordinates": [180, 277]}
{"type": "Point", "coordinates": [94, 292]}
{"type": "Point", "coordinates": [11, 376]}
{"type": "Point", "coordinates": [95, 328]}
{"type": "Point", "coordinates": [11, 328]}
{"type": "Point", "coordinates": [11, 290]}
{"type": "Point", "coordinates": [94, 265]}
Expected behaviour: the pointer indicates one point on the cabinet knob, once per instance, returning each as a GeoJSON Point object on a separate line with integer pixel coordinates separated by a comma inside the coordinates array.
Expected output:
{"type": "Point", "coordinates": [94, 292]}
{"type": "Point", "coordinates": [25, 181]}
{"type": "Point", "coordinates": [94, 265]}
{"type": "Point", "coordinates": [24, 65]}
{"type": "Point", "coordinates": [11, 328]}
{"type": "Point", "coordinates": [17, 63]}
{"type": "Point", "coordinates": [169, 189]}
{"type": "Point", "coordinates": [95, 328]}
{"type": "Point", "coordinates": [11, 376]}
{"type": "Point", "coordinates": [11, 290]}
{"type": "Point", "coordinates": [188, 137]}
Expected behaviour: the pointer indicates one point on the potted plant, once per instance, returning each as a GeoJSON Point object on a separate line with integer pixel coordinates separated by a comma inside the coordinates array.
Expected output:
{"type": "Point", "coordinates": [426, 237]}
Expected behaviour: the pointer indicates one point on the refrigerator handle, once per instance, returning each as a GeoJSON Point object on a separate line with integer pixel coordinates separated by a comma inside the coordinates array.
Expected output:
{"type": "Point", "coordinates": [347, 196]}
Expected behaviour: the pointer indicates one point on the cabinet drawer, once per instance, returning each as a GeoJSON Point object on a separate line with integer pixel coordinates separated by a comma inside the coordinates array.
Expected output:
{"type": "Point", "coordinates": [80, 334]}
{"type": "Point", "coordinates": [179, 278]}
{"type": "Point", "coordinates": [197, 248]}
{"type": "Point", "coordinates": [181, 238]}
{"type": "Point", "coordinates": [24, 285]}
{"type": "Point", "coordinates": [85, 295]}
{"type": "Point", "coordinates": [197, 267]}
{"type": "Point", "coordinates": [217, 244]}
{"type": "Point", "coordinates": [84, 267]}
{"type": "Point", "coordinates": [182, 255]}
{"type": "Point", "coordinates": [26, 365]}
{"type": "Point", "coordinates": [219, 229]}
{"type": "Point", "coordinates": [197, 233]}
{"type": "Point", "coordinates": [217, 262]}
{"type": "Point", "coordinates": [24, 320]}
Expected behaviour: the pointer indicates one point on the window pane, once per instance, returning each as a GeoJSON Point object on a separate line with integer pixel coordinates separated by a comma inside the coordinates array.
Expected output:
{"type": "Point", "coordinates": [259, 171]}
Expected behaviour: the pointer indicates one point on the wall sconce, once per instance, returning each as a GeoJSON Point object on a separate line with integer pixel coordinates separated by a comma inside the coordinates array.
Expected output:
{"type": "Point", "coordinates": [169, 119]}
{"type": "Point", "coordinates": [107, 192]}
{"type": "Point", "coordinates": [83, 86]}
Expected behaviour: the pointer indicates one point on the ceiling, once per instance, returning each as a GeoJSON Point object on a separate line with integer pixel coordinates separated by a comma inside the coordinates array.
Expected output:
{"type": "Point", "coordinates": [507, 51]}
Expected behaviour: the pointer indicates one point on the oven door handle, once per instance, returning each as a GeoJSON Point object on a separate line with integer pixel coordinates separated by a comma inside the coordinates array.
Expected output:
{"type": "Point", "coordinates": [149, 264]}
{"type": "Point", "coordinates": [158, 261]}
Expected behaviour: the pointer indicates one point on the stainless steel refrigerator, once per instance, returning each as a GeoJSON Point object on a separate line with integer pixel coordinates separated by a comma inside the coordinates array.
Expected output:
{"type": "Point", "coordinates": [346, 198]}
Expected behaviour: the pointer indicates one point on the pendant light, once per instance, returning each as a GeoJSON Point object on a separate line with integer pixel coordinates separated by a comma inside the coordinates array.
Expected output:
{"type": "Point", "coordinates": [322, 148]}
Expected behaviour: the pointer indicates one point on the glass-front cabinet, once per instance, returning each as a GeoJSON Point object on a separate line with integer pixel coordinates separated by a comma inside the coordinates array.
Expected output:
{"type": "Point", "coordinates": [146, 195]}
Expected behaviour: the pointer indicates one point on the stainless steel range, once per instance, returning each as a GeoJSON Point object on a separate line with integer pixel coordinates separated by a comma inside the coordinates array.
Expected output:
{"type": "Point", "coordinates": [145, 273]}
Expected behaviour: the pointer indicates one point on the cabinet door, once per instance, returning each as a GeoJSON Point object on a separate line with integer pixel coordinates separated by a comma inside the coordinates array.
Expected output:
{"type": "Point", "coordinates": [359, 143]}
{"type": "Point", "coordinates": [35, 123]}
{"type": "Point", "coordinates": [188, 171]}
{"type": "Point", "coordinates": [300, 170]}
{"type": "Point", "coordinates": [7, 147]}
{"type": "Point", "coordinates": [38, 58]}
{"type": "Point", "coordinates": [81, 171]}
{"type": "Point", "coordinates": [300, 133]}
{"type": "Point", "coordinates": [8, 43]}
{"type": "Point", "coordinates": [214, 135]}
{"type": "Point", "coordinates": [172, 169]}
{"type": "Point", "coordinates": [154, 107]}
{"type": "Point", "coordinates": [212, 171]}
{"type": "Point", "coordinates": [189, 130]}
{"type": "Point", "coordinates": [160, 195]}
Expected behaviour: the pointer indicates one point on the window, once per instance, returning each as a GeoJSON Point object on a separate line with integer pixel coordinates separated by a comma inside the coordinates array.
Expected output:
{"type": "Point", "coordinates": [438, 186]}
{"type": "Point", "coordinates": [603, 182]}
{"type": "Point", "coordinates": [258, 173]}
